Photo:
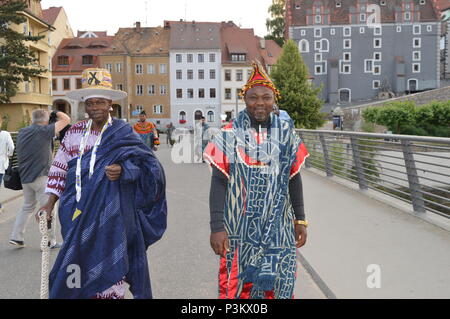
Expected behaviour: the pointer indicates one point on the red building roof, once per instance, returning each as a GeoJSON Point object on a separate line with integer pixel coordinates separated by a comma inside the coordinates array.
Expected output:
{"type": "Point", "coordinates": [75, 49]}
{"type": "Point", "coordinates": [51, 14]}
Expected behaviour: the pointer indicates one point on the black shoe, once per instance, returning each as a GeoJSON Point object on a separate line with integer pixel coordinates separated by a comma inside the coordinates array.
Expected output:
{"type": "Point", "coordinates": [17, 243]}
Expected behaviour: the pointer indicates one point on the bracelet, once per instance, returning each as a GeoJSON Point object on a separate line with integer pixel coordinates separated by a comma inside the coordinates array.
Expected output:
{"type": "Point", "coordinates": [301, 222]}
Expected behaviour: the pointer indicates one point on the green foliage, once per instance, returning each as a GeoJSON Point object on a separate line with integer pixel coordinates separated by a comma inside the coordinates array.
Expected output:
{"type": "Point", "coordinates": [298, 97]}
{"type": "Point", "coordinates": [275, 24]}
{"type": "Point", "coordinates": [5, 122]}
{"type": "Point", "coordinates": [432, 119]}
{"type": "Point", "coordinates": [15, 56]}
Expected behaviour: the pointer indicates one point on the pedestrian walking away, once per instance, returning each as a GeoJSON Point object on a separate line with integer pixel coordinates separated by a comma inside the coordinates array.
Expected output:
{"type": "Point", "coordinates": [256, 200]}
{"type": "Point", "coordinates": [111, 190]}
{"type": "Point", "coordinates": [34, 156]}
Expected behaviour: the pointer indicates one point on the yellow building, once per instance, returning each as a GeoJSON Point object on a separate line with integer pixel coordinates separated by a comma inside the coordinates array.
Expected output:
{"type": "Point", "coordinates": [138, 61]}
{"type": "Point", "coordinates": [35, 94]}
{"type": "Point", "coordinates": [57, 17]}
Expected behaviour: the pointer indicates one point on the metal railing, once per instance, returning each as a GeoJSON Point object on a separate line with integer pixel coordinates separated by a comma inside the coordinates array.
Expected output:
{"type": "Point", "coordinates": [414, 169]}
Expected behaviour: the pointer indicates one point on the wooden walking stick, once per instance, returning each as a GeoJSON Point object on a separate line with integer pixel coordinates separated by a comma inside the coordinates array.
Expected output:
{"type": "Point", "coordinates": [44, 227]}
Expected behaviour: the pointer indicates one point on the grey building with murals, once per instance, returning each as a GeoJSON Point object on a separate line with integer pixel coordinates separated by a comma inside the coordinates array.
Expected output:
{"type": "Point", "coordinates": [356, 57]}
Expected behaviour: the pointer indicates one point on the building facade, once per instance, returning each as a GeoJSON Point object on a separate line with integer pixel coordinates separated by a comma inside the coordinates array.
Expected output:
{"type": "Point", "coordinates": [57, 17]}
{"type": "Point", "coordinates": [195, 73]}
{"type": "Point", "coordinates": [36, 93]}
{"type": "Point", "coordinates": [72, 57]}
{"type": "Point", "coordinates": [139, 64]}
{"type": "Point", "coordinates": [361, 49]}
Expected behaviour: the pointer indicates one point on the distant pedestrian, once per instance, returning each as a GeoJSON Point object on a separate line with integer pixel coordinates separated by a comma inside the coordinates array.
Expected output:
{"type": "Point", "coordinates": [6, 151]}
{"type": "Point", "coordinates": [170, 129]}
{"type": "Point", "coordinates": [35, 155]}
{"type": "Point", "coordinates": [147, 131]}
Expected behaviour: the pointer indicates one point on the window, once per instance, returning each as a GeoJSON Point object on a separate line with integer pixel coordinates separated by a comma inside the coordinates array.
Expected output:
{"type": "Point", "coordinates": [66, 84]}
{"type": "Point", "coordinates": [303, 45]}
{"type": "Point", "coordinates": [324, 44]}
{"type": "Point", "coordinates": [182, 116]}
{"type": "Point", "coordinates": [238, 93]}
{"type": "Point", "coordinates": [157, 109]}
{"type": "Point", "coordinates": [239, 75]}
{"type": "Point", "coordinates": [27, 86]}
{"type": "Point", "coordinates": [317, 45]}
{"type": "Point", "coordinates": [108, 66]}
{"type": "Point", "coordinates": [422, 2]}
{"type": "Point", "coordinates": [345, 68]}
{"type": "Point", "coordinates": [368, 66]}
{"type": "Point", "coordinates": [201, 93]}
{"type": "Point", "coordinates": [399, 28]}
{"type": "Point", "coordinates": [338, 4]}
{"type": "Point", "coordinates": [201, 74]}
{"type": "Point", "coordinates": [407, 16]}
{"type": "Point", "coordinates": [377, 70]}
{"type": "Point", "coordinates": [347, 43]}
{"type": "Point", "coordinates": [179, 93]}
{"type": "Point", "coordinates": [383, 2]}
{"type": "Point", "coordinates": [201, 58]}
{"type": "Point", "coordinates": [54, 84]}
{"type": "Point", "coordinates": [25, 28]}
{"type": "Point", "coordinates": [212, 74]}
{"type": "Point", "coordinates": [347, 57]}
{"type": "Point", "coordinates": [429, 28]}
{"type": "Point", "coordinates": [119, 67]}
{"type": "Point", "coordinates": [63, 60]}
{"type": "Point", "coordinates": [179, 75]}
{"type": "Point", "coordinates": [212, 93]}
{"type": "Point", "coordinates": [362, 30]}
{"type": "Point", "coordinates": [317, 32]}
{"type": "Point", "coordinates": [318, 57]}
{"type": "Point", "coordinates": [377, 31]}
{"type": "Point", "coordinates": [416, 56]}
{"type": "Point", "coordinates": [190, 74]}
{"type": "Point", "coordinates": [417, 29]}
{"type": "Point", "coordinates": [417, 42]}
{"type": "Point", "coordinates": [139, 108]}
{"type": "Point", "coordinates": [139, 69]}
{"type": "Point", "coordinates": [227, 94]}
{"type": "Point", "coordinates": [151, 89]}
{"type": "Point", "coordinates": [238, 57]}
{"type": "Point", "coordinates": [318, 69]}
{"type": "Point", "coordinates": [178, 58]}
{"type": "Point", "coordinates": [150, 68]}
{"type": "Point", "coordinates": [333, 31]}
{"type": "Point", "coordinates": [190, 93]}
{"type": "Point", "coordinates": [318, 18]}
{"type": "Point", "coordinates": [347, 31]}
{"type": "Point", "coordinates": [227, 75]}
{"type": "Point", "coordinates": [212, 57]}
{"type": "Point", "coordinates": [119, 87]}
{"type": "Point", "coordinates": [302, 33]}
{"type": "Point", "coordinates": [190, 58]}
{"type": "Point", "coordinates": [139, 89]}
{"type": "Point", "coordinates": [88, 59]}
{"type": "Point", "coordinates": [210, 116]}
{"type": "Point", "coordinates": [377, 56]}
{"type": "Point", "coordinates": [416, 68]}
{"type": "Point", "coordinates": [377, 43]}
{"type": "Point", "coordinates": [162, 69]}
{"type": "Point", "coordinates": [79, 84]}
{"type": "Point", "coordinates": [362, 17]}
{"type": "Point", "coordinates": [162, 89]}
{"type": "Point", "coordinates": [375, 84]}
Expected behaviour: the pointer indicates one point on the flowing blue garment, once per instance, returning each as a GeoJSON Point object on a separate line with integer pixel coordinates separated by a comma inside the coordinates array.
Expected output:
{"type": "Point", "coordinates": [119, 220]}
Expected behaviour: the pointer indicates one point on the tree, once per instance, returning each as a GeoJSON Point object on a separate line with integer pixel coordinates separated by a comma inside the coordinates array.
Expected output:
{"type": "Point", "coordinates": [298, 97]}
{"type": "Point", "coordinates": [15, 56]}
{"type": "Point", "coordinates": [275, 24]}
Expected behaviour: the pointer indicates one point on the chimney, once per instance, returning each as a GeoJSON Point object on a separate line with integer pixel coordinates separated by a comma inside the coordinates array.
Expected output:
{"type": "Point", "coordinates": [262, 43]}
{"type": "Point", "coordinates": [138, 26]}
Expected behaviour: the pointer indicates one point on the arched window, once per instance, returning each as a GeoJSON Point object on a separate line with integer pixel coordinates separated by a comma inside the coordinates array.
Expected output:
{"type": "Point", "coordinates": [303, 45]}
{"type": "Point", "coordinates": [211, 116]}
{"type": "Point", "coordinates": [182, 116]}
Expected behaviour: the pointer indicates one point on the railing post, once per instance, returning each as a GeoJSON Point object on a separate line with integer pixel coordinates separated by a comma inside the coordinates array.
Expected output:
{"type": "Point", "coordinates": [328, 168]}
{"type": "Point", "coordinates": [413, 178]}
{"type": "Point", "coordinates": [358, 164]}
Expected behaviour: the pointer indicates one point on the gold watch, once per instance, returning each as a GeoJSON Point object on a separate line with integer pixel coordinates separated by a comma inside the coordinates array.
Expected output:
{"type": "Point", "coordinates": [301, 222]}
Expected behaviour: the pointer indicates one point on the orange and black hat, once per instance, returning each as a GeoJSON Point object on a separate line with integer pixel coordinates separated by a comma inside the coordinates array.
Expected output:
{"type": "Point", "coordinates": [259, 78]}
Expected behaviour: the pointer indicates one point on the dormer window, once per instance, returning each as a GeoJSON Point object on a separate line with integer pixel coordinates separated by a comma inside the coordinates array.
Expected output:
{"type": "Point", "coordinates": [88, 59]}
{"type": "Point", "coordinates": [338, 4]}
{"type": "Point", "coordinates": [383, 2]}
{"type": "Point", "coordinates": [422, 2]}
{"type": "Point", "coordinates": [63, 60]}
{"type": "Point", "coordinates": [238, 57]}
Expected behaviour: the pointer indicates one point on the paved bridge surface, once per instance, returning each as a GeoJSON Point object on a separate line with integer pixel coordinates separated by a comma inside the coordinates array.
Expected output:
{"type": "Point", "coordinates": [358, 247]}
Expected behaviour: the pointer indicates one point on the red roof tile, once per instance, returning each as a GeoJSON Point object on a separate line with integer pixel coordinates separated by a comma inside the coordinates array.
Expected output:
{"type": "Point", "coordinates": [51, 14]}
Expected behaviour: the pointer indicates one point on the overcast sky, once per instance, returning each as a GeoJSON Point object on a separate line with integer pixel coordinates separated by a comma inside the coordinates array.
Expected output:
{"type": "Point", "coordinates": [100, 15]}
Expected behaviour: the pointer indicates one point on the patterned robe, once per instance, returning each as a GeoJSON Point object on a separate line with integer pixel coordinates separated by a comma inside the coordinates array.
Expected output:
{"type": "Point", "coordinates": [258, 217]}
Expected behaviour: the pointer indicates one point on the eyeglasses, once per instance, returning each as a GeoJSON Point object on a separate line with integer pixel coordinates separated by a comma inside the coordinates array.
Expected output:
{"type": "Point", "coordinates": [96, 103]}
